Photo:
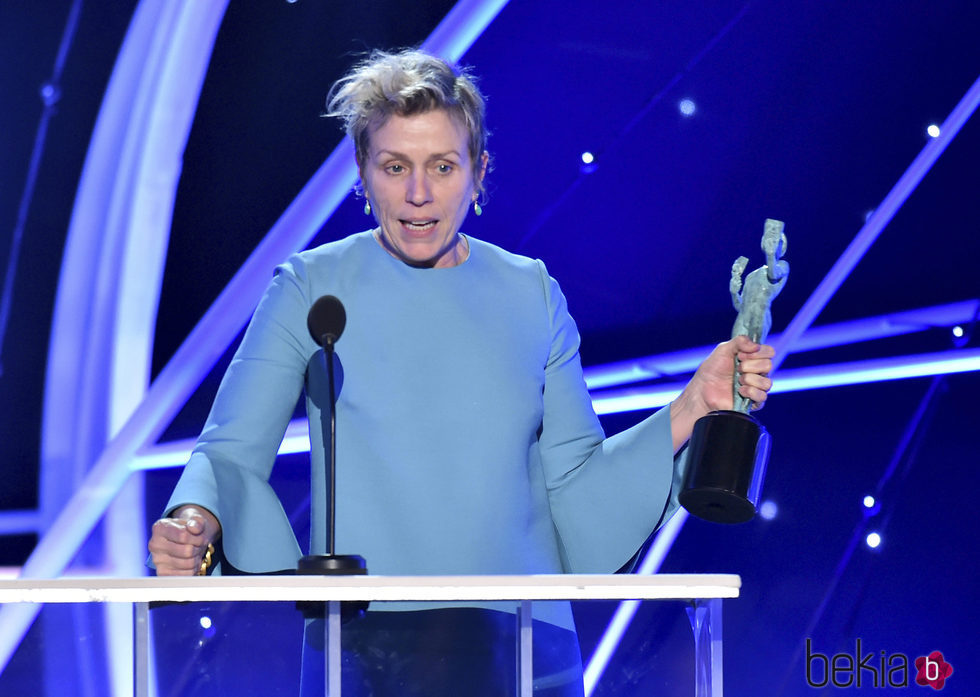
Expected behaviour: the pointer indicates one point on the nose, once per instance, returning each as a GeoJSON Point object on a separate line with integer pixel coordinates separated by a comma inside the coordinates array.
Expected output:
{"type": "Point", "coordinates": [418, 191]}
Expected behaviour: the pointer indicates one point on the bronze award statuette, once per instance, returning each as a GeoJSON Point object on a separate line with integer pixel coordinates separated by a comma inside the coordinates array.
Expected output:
{"type": "Point", "coordinates": [728, 451]}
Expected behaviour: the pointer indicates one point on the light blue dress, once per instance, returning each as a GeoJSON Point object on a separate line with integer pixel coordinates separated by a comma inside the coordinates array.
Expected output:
{"type": "Point", "coordinates": [466, 438]}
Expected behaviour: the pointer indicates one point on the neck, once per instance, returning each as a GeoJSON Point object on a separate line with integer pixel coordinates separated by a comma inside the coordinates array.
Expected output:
{"type": "Point", "coordinates": [458, 253]}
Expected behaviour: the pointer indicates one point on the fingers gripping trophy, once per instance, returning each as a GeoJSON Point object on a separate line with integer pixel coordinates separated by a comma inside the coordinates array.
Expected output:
{"type": "Point", "coordinates": [729, 449]}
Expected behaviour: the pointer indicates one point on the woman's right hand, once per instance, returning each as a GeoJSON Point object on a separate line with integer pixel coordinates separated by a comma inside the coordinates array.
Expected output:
{"type": "Point", "coordinates": [178, 544]}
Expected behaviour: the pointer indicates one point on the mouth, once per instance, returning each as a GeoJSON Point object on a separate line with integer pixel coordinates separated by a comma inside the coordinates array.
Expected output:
{"type": "Point", "coordinates": [419, 226]}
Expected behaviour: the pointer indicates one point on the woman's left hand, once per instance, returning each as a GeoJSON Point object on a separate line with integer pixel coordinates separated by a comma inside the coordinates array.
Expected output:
{"type": "Point", "coordinates": [711, 387]}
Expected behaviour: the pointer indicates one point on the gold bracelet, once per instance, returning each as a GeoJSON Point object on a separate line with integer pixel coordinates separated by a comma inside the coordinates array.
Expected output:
{"type": "Point", "coordinates": [206, 561]}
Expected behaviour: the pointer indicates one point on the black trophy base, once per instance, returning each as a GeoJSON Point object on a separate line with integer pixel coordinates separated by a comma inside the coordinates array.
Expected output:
{"type": "Point", "coordinates": [332, 565]}
{"type": "Point", "coordinates": [726, 465]}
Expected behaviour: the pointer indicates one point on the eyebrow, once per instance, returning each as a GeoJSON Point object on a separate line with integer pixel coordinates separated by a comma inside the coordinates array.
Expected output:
{"type": "Point", "coordinates": [434, 156]}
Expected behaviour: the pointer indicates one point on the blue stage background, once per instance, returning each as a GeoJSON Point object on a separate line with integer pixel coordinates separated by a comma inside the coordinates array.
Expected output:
{"type": "Point", "coordinates": [808, 112]}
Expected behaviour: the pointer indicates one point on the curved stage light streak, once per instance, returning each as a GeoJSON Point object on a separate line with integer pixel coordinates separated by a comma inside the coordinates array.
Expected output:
{"type": "Point", "coordinates": [108, 292]}
{"type": "Point", "coordinates": [827, 336]}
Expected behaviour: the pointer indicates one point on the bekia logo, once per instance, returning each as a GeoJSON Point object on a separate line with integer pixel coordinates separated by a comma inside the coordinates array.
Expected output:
{"type": "Point", "coordinates": [862, 669]}
{"type": "Point", "coordinates": [933, 670]}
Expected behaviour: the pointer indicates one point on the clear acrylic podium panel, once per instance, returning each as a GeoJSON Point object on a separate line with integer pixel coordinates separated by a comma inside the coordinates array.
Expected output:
{"type": "Point", "coordinates": [256, 647]}
{"type": "Point", "coordinates": [442, 653]}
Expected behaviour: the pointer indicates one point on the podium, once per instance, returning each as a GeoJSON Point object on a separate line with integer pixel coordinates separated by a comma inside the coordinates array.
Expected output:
{"type": "Point", "coordinates": [703, 595]}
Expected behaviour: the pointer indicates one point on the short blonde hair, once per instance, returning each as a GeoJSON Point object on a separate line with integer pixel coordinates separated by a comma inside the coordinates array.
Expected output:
{"type": "Point", "coordinates": [406, 83]}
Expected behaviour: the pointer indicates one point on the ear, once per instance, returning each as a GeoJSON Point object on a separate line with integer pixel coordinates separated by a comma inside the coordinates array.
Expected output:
{"type": "Point", "coordinates": [484, 161]}
{"type": "Point", "coordinates": [359, 184]}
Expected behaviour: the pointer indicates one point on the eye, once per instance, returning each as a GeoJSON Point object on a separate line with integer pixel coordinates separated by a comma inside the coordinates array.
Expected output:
{"type": "Point", "coordinates": [444, 168]}
{"type": "Point", "coordinates": [394, 169]}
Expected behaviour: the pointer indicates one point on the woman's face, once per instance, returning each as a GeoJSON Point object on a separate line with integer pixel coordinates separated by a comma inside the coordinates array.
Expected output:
{"type": "Point", "coordinates": [418, 178]}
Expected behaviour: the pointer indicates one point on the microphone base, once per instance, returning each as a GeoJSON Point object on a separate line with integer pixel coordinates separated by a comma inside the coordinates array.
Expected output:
{"type": "Point", "coordinates": [332, 565]}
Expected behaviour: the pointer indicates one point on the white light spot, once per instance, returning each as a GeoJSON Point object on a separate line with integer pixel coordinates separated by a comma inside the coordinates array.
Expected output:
{"type": "Point", "coordinates": [869, 501]}
{"type": "Point", "coordinates": [588, 158]}
{"type": "Point", "coordinates": [873, 540]}
{"type": "Point", "coordinates": [958, 331]}
{"type": "Point", "coordinates": [768, 510]}
{"type": "Point", "coordinates": [206, 622]}
{"type": "Point", "coordinates": [933, 131]}
{"type": "Point", "coordinates": [868, 214]}
{"type": "Point", "coordinates": [687, 107]}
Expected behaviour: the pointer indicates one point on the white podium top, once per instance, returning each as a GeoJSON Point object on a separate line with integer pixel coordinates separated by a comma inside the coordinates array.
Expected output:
{"type": "Point", "coordinates": [370, 588]}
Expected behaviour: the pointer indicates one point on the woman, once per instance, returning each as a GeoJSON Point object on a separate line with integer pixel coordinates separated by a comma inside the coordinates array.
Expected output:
{"type": "Point", "coordinates": [467, 443]}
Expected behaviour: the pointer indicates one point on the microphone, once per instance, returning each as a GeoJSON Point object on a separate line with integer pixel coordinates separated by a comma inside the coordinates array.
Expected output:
{"type": "Point", "coordinates": [326, 321]}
